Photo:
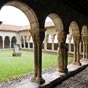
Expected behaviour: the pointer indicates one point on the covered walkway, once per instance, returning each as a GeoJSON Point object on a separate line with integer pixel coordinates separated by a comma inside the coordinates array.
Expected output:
{"type": "Point", "coordinates": [68, 21]}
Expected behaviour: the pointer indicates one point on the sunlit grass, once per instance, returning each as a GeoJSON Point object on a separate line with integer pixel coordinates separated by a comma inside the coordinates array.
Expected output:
{"type": "Point", "coordinates": [11, 66]}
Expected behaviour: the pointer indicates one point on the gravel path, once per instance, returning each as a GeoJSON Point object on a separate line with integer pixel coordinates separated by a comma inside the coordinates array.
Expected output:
{"type": "Point", "coordinates": [80, 80]}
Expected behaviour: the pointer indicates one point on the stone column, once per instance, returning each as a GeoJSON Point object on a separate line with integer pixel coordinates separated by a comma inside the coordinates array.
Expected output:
{"type": "Point", "coordinates": [20, 42]}
{"type": "Point", "coordinates": [84, 50]}
{"type": "Point", "coordinates": [80, 48]}
{"type": "Point", "coordinates": [85, 47]}
{"type": "Point", "coordinates": [52, 43]}
{"type": "Point", "coordinates": [24, 41]}
{"type": "Point", "coordinates": [3, 43]}
{"type": "Point", "coordinates": [28, 43]}
{"type": "Point", "coordinates": [38, 38]}
{"type": "Point", "coordinates": [68, 41]}
{"type": "Point", "coordinates": [62, 53]}
{"type": "Point", "coordinates": [10, 42]}
{"type": "Point", "coordinates": [85, 42]}
{"type": "Point", "coordinates": [76, 59]}
{"type": "Point", "coordinates": [69, 44]}
{"type": "Point", "coordinates": [45, 44]}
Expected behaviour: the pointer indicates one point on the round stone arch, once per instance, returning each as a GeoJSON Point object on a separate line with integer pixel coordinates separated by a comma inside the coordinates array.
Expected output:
{"type": "Point", "coordinates": [1, 42]}
{"type": "Point", "coordinates": [62, 54]}
{"type": "Point", "coordinates": [59, 26]}
{"type": "Point", "coordinates": [27, 11]}
{"type": "Point", "coordinates": [13, 41]}
{"type": "Point", "coordinates": [74, 28]}
{"type": "Point", "coordinates": [57, 21]}
{"type": "Point", "coordinates": [7, 42]}
{"type": "Point", "coordinates": [73, 31]}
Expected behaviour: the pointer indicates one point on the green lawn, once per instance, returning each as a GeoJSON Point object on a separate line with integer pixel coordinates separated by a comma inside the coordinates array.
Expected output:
{"type": "Point", "coordinates": [15, 66]}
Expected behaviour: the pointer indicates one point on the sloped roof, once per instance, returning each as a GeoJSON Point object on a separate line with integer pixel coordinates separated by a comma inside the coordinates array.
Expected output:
{"type": "Point", "coordinates": [13, 28]}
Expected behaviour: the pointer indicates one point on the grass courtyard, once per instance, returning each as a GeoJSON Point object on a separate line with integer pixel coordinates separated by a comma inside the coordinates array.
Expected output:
{"type": "Point", "coordinates": [11, 67]}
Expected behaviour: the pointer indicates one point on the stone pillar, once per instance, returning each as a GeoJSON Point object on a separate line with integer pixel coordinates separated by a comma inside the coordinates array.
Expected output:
{"type": "Point", "coordinates": [28, 42]}
{"type": "Point", "coordinates": [69, 44]}
{"type": "Point", "coordinates": [85, 47]}
{"type": "Point", "coordinates": [76, 59]}
{"type": "Point", "coordinates": [10, 42]}
{"type": "Point", "coordinates": [85, 42]}
{"type": "Point", "coordinates": [84, 50]}
{"type": "Point", "coordinates": [80, 48]}
{"type": "Point", "coordinates": [24, 41]}
{"type": "Point", "coordinates": [45, 43]}
{"type": "Point", "coordinates": [52, 43]}
{"type": "Point", "coordinates": [38, 38]}
{"type": "Point", "coordinates": [62, 53]}
{"type": "Point", "coordinates": [3, 43]}
{"type": "Point", "coordinates": [68, 41]}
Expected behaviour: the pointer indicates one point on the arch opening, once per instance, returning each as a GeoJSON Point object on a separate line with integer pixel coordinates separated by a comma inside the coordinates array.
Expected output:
{"type": "Point", "coordinates": [13, 41]}
{"type": "Point", "coordinates": [1, 42]}
{"type": "Point", "coordinates": [53, 25]}
{"type": "Point", "coordinates": [7, 42]}
{"type": "Point", "coordinates": [27, 11]}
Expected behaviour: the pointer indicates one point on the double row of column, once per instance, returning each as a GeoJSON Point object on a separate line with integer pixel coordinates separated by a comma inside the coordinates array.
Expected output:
{"type": "Point", "coordinates": [38, 37]}
{"type": "Point", "coordinates": [3, 43]}
{"type": "Point", "coordinates": [26, 41]}
{"type": "Point", "coordinates": [52, 43]}
{"type": "Point", "coordinates": [85, 42]}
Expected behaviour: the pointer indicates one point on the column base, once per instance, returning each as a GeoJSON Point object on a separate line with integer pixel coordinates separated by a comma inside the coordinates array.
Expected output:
{"type": "Point", "coordinates": [84, 59]}
{"type": "Point", "coordinates": [38, 80]}
{"type": "Point", "coordinates": [77, 63]}
{"type": "Point", "coordinates": [63, 70]}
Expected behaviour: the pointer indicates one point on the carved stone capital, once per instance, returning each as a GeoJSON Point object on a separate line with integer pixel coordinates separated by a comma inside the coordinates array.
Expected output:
{"type": "Point", "coordinates": [76, 38]}
{"type": "Point", "coordinates": [38, 35]}
{"type": "Point", "coordinates": [85, 38]}
{"type": "Point", "coordinates": [61, 36]}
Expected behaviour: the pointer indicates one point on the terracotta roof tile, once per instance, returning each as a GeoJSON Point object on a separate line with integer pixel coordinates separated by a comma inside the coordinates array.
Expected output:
{"type": "Point", "coordinates": [14, 28]}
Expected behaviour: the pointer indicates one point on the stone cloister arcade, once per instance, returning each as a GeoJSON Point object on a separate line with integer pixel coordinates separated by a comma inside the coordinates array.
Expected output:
{"type": "Point", "coordinates": [7, 41]}
{"type": "Point", "coordinates": [66, 21]}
